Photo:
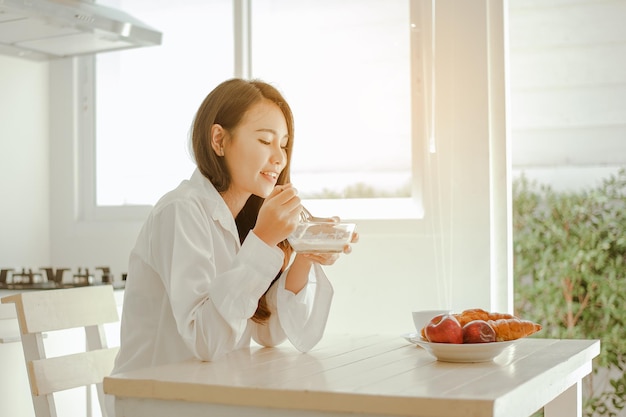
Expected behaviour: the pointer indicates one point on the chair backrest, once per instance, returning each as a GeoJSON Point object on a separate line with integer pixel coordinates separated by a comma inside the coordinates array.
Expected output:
{"type": "Point", "coordinates": [49, 310]}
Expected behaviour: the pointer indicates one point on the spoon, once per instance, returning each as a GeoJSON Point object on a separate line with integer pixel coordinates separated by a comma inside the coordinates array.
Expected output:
{"type": "Point", "coordinates": [306, 217]}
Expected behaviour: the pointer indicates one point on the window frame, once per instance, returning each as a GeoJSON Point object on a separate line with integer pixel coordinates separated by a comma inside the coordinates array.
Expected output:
{"type": "Point", "coordinates": [355, 209]}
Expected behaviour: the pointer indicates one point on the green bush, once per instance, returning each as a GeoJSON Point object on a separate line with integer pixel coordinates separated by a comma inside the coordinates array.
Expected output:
{"type": "Point", "coordinates": [570, 274]}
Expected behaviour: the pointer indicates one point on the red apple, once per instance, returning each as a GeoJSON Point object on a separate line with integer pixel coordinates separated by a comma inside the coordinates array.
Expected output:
{"type": "Point", "coordinates": [444, 329]}
{"type": "Point", "coordinates": [434, 320]}
{"type": "Point", "coordinates": [478, 331]}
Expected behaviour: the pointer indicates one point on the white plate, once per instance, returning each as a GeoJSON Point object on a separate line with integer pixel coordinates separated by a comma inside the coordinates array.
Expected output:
{"type": "Point", "coordinates": [466, 352]}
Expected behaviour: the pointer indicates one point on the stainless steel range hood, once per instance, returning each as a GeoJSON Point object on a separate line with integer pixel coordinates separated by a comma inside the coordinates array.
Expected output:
{"type": "Point", "coordinates": [47, 29]}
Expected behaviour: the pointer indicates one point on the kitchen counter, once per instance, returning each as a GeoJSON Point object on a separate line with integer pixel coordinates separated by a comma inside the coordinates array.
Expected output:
{"type": "Point", "coordinates": [51, 285]}
{"type": "Point", "coordinates": [369, 375]}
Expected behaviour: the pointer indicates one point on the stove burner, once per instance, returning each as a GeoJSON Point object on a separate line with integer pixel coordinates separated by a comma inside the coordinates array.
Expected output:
{"type": "Point", "coordinates": [29, 277]}
{"type": "Point", "coordinates": [83, 278]}
{"type": "Point", "coordinates": [53, 278]}
{"type": "Point", "coordinates": [106, 274]}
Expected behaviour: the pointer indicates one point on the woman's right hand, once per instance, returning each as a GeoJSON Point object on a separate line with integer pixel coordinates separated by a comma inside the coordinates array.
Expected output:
{"type": "Point", "coordinates": [279, 215]}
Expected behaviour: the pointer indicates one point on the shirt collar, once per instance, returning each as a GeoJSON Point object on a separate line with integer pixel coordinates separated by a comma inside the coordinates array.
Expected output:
{"type": "Point", "coordinates": [218, 209]}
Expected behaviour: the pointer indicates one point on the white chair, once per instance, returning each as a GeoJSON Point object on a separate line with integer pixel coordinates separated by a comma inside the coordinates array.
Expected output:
{"type": "Point", "coordinates": [50, 310]}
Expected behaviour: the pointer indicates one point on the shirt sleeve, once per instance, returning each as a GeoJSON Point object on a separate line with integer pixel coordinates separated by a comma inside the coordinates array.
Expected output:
{"type": "Point", "coordinates": [212, 291]}
{"type": "Point", "coordinates": [301, 317]}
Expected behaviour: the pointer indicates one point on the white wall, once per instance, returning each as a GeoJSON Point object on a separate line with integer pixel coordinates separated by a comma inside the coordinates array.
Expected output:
{"type": "Point", "coordinates": [568, 87]}
{"type": "Point", "coordinates": [76, 242]}
{"type": "Point", "coordinates": [24, 167]}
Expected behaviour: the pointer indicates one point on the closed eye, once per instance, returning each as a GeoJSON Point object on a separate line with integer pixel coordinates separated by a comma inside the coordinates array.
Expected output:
{"type": "Point", "coordinates": [267, 142]}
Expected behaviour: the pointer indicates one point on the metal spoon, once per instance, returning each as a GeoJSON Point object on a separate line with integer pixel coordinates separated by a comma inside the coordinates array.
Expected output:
{"type": "Point", "coordinates": [306, 217]}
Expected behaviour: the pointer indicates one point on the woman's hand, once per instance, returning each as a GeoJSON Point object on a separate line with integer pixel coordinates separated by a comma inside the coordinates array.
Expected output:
{"type": "Point", "coordinates": [348, 248]}
{"type": "Point", "coordinates": [279, 215]}
{"type": "Point", "coordinates": [320, 258]}
{"type": "Point", "coordinates": [298, 274]}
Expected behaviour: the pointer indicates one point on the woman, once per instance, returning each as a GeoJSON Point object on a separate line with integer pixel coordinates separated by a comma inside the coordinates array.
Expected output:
{"type": "Point", "coordinates": [211, 267]}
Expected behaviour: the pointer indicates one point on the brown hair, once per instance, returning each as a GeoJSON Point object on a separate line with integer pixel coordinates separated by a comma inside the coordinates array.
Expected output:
{"type": "Point", "coordinates": [226, 106]}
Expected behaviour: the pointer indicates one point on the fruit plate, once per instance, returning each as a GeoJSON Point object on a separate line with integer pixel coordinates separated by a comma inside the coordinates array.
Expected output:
{"type": "Point", "coordinates": [466, 352]}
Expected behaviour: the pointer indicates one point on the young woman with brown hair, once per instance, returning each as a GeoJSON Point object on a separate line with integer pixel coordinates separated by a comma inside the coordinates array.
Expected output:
{"type": "Point", "coordinates": [212, 269]}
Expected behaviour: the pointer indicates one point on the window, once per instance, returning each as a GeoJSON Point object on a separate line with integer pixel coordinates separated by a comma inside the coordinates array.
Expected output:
{"type": "Point", "coordinates": [343, 66]}
{"type": "Point", "coordinates": [146, 98]}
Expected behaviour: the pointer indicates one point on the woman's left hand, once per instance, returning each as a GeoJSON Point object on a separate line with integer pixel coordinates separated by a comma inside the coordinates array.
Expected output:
{"type": "Point", "coordinates": [348, 248]}
{"type": "Point", "coordinates": [299, 271]}
{"type": "Point", "coordinates": [321, 258]}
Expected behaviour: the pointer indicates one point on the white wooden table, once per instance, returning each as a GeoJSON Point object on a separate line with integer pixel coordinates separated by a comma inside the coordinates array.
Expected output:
{"type": "Point", "coordinates": [373, 375]}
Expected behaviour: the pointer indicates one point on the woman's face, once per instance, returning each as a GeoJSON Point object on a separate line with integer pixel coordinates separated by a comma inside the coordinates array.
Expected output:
{"type": "Point", "coordinates": [256, 152]}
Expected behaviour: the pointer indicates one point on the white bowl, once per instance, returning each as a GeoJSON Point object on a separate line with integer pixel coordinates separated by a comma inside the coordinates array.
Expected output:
{"type": "Point", "coordinates": [321, 237]}
{"type": "Point", "coordinates": [464, 352]}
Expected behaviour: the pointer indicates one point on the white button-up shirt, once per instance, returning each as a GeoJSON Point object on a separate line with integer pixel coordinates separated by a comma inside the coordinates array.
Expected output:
{"type": "Point", "coordinates": [192, 287]}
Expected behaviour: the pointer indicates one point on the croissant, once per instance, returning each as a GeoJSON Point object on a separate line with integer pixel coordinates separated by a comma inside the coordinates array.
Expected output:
{"type": "Point", "coordinates": [479, 314]}
{"type": "Point", "coordinates": [511, 329]}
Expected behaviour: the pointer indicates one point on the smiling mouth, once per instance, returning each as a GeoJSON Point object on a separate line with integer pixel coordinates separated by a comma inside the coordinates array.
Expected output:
{"type": "Point", "coordinates": [273, 175]}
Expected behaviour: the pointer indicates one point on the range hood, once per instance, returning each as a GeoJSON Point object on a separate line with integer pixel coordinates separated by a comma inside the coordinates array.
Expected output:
{"type": "Point", "coordinates": [47, 29]}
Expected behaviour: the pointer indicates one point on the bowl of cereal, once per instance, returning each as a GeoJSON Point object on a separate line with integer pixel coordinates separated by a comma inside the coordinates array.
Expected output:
{"type": "Point", "coordinates": [321, 237]}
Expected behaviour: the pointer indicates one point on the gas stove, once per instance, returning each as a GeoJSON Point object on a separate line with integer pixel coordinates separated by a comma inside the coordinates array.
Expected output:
{"type": "Point", "coordinates": [49, 278]}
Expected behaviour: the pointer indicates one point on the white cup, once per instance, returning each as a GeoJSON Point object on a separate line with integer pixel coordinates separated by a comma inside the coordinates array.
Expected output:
{"type": "Point", "coordinates": [422, 317]}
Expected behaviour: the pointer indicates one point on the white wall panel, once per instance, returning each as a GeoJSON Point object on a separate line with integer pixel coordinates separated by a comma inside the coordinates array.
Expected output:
{"type": "Point", "coordinates": [603, 145]}
{"type": "Point", "coordinates": [547, 68]}
{"type": "Point", "coordinates": [568, 86]}
{"type": "Point", "coordinates": [600, 105]}
{"type": "Point", "coordinates": [554, 23]}
{"type": "Point", "coordinates": [24, 185]}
